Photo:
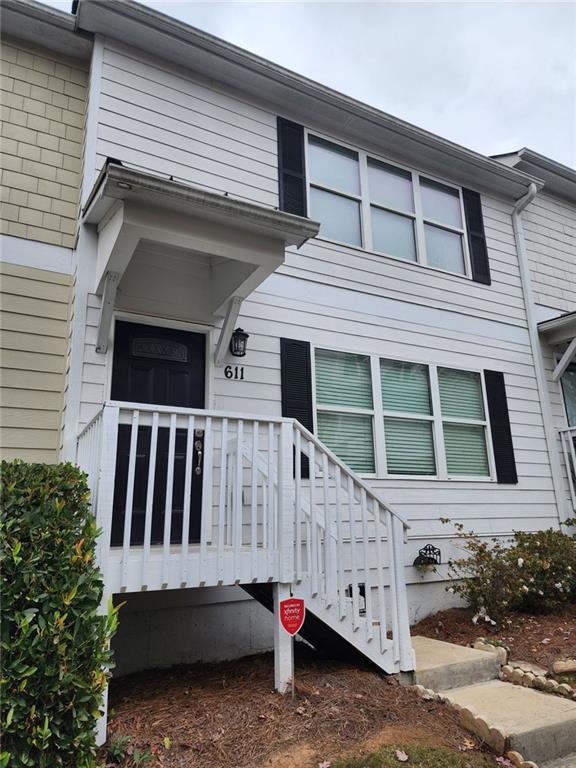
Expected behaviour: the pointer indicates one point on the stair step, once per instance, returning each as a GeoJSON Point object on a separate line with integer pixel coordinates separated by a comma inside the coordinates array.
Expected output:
{"type": "Point", "coordinates": [538, 725]}
{"type": "Point", "coordinates": [442, 665]}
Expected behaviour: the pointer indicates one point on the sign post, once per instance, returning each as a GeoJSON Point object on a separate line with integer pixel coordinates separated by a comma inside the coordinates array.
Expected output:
{"type": "Point", "coordinates": [292, 614]}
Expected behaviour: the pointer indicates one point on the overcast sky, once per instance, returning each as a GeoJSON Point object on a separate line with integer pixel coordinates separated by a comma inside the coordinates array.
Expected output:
{"type": "Point", "coordinates": [493, 76]}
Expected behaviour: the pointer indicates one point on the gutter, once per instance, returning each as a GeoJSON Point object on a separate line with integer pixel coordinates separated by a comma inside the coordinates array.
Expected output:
{"type": "Point", "coordinates": [541, 382]}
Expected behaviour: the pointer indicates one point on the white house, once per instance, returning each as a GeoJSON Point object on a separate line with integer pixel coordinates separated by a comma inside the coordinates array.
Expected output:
{"type": "Point", "coordinates": [404, 300]}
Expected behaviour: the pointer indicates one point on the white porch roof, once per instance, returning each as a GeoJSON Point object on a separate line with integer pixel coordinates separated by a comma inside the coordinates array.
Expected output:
{"type": "Point", "coordinates": [559, 331]}
{"type": "Point", "coordinates": [244, 242]}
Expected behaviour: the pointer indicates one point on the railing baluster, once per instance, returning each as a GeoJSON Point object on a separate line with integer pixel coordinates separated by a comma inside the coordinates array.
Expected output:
{"type": "Point", "coordinates": [237, 499]}
{"type": "Point", "coordinates": [353, 568]}
{"type": "Point", "coordinates": [298, 504]}
{"type": "Point", "coordinates": [314, 564]}
{"type": "Point", "coordinates": [380, 572]}
{"type": "Point", "coordinates": [129, 497]}
{"type": "Point", "coordinates": [222, 500]}
{"type": "Point", "coordinates": [339, 542]}
{"type": "Point", "coordinates": [393, 589]}
{"type": "Point", "coordinates": [188, 470]}
{"type": "Point", "coordinates": [329, 556]}
{"type": "Point", "coordinates": [567, 438]}
{"type": "Point", "coordinates": [272, 542]}
{"type": "Point", "coordinates": [206, 530]}
{"type": "Point", "coordinates": [367, 580]}
{"type": "Point", "coordinates": [149, 511]}
{"type": "Point", "coordinates": [254, 503]}
{"type": "Point", "coordinates": [169, 501]}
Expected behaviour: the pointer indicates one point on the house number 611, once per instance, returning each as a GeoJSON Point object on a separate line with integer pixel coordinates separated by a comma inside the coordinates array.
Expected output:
{"type": "Point", "coordinates": [235, 372]}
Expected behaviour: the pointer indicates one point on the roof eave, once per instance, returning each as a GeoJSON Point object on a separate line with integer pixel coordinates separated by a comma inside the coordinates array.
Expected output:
{"type": "Point", "coordinates": [297, 95]}
{"type": "Point", "coordinates": [44, 26]}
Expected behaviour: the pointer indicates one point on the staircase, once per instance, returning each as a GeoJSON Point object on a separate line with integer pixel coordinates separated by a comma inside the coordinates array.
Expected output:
{"type": "Point", "coordinates": [277, 507]}
{"type": "Point", "coordinates": [347, 557]}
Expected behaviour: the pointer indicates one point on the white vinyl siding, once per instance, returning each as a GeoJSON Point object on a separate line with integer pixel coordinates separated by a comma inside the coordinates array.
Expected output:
{"type": "Point", "coordinates": [550, 235]}
{"type": "Point", "coordinates": [363, 201]}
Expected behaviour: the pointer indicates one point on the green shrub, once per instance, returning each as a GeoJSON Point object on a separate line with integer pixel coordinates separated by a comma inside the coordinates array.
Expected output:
{"type": "Point", "coordinates": [532, 572]}
{"type": "Point", "coordinates": [54, 640]}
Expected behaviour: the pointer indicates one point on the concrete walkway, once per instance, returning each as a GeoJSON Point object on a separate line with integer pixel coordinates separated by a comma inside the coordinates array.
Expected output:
{"type": "Point", "coordinates": [540, 726]}
{"type": "Point", "coordinates": [563, 762]}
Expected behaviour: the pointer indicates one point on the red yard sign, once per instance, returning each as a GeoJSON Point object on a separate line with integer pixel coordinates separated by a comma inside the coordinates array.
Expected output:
{"type": "Point", "coordinates": [292, 614]}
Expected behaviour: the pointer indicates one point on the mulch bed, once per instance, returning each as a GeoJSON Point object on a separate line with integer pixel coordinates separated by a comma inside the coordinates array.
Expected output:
{"type": "Point", "coordinates": [226, 715]}
{"type": "Point", "coordinates": [537, 639]}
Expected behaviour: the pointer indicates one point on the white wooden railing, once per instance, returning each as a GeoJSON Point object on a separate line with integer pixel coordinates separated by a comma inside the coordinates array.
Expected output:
{"type": "Point", "coordinates": [349, 548]}
{"type": "Point", "coordinates": [276, 505]}
{"type": "Point", "coordinates": [568, 438]}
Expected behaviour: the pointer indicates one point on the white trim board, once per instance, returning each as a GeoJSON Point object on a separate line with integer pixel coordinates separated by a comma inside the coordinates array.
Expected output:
{"type": "Point", "coordinates": [30, 253]}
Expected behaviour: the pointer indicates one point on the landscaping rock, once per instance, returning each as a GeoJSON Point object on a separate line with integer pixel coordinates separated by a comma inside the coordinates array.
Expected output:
{"type": "Point", "coordinates": [528, 679]}
{"type": "Point", "coordinates": [499, 651]}
{"type": "Point", "coordinates": [517, 676]}
{"type": "Point", "coordinates": [527, 666]}
{"type": "Point", "coordinates": [515, 758]}
{"type": "Point", "coordinates": [563, 667]}
{"type": "Point", "coordinates": [565, 690]}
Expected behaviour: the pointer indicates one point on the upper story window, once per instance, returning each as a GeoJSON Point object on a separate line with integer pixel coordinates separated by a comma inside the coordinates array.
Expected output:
{"type": "Point", "coordinates": [365, 202]}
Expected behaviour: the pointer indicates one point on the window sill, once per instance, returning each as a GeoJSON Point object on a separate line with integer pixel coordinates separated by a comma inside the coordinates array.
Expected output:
{"type": "Point", "coordinates": [378, 256]}
{"type": "Point", "coordinates": [427, 478]}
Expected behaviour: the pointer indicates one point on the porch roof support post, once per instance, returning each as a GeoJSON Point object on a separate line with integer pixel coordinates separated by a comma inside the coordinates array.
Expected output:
{"type": "Point", "coordinates": [283, 643]}
{"type": "Point", "coordinates": [565, 360]}
{"type": "Point", "coordinates": [226, 332]}
{"type": "Point", "coordinates": [107, 310]}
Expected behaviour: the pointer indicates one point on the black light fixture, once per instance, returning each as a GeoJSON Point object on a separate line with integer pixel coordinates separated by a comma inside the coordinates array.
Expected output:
{"type": "Point", "coordinates": [238, 342]}
{"type": "Point", "coordinates": [428, 556]}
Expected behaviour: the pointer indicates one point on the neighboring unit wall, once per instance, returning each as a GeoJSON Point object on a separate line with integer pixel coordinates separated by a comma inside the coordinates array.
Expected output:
{"type": "Point", "coordinates": [33, 321]}
{"type": "Point", "coordinates": [43, 103]}
{"type": "Point", "coordinates": [550, 232]}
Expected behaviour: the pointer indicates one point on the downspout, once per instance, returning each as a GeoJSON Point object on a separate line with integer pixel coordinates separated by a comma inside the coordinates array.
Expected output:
{"type": "Point", "coordinates": [541, 382]}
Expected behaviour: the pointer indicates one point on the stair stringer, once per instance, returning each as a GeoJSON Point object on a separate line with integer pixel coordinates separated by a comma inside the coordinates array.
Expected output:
{"type": "Point", "coordinates": [378, 649]}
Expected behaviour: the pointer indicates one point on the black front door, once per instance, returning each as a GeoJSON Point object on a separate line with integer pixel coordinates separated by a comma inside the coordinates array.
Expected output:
{"type": "Point", "coordinates": [160, 366]}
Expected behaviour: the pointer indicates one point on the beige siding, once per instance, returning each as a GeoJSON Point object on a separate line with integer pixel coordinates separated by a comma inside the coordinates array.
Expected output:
{"type": "Point", "coordinates": [43, 102]}
{"type": "Point", "coordinates": [33, 337]}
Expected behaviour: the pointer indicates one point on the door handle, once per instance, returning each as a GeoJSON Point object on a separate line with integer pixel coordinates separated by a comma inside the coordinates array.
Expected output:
{"type": "Point", "coordinates": [199, 452]}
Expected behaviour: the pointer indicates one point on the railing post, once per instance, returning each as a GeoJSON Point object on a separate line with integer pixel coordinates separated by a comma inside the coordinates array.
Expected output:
{"type": "Point", "coordinates": [286, 502]}
{"type": "Point", "coordinates": [106, 478]}
{"type": "Point", "coordinates": [407, 657]}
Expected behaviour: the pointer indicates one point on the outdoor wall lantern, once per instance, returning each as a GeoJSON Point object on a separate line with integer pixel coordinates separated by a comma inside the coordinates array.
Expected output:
{"type": "Point", "coordinates": [238, 342]}
{"type": "Point", "coordinates": [428, 557]}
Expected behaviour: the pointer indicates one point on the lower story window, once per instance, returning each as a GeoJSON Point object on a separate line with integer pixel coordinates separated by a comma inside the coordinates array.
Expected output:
{"type": "Point", "coordinates": [394, 417]}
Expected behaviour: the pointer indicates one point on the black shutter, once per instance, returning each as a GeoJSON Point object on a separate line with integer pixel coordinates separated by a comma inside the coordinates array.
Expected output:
{"type": "Point", "coordinates": [291, 167]}
{"type": "Point", "coordinates": [500, 427]}
{"type": "Point", "coordinates": [296, 380]}
{"type": "Point", "coordinates": [476, 237]}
